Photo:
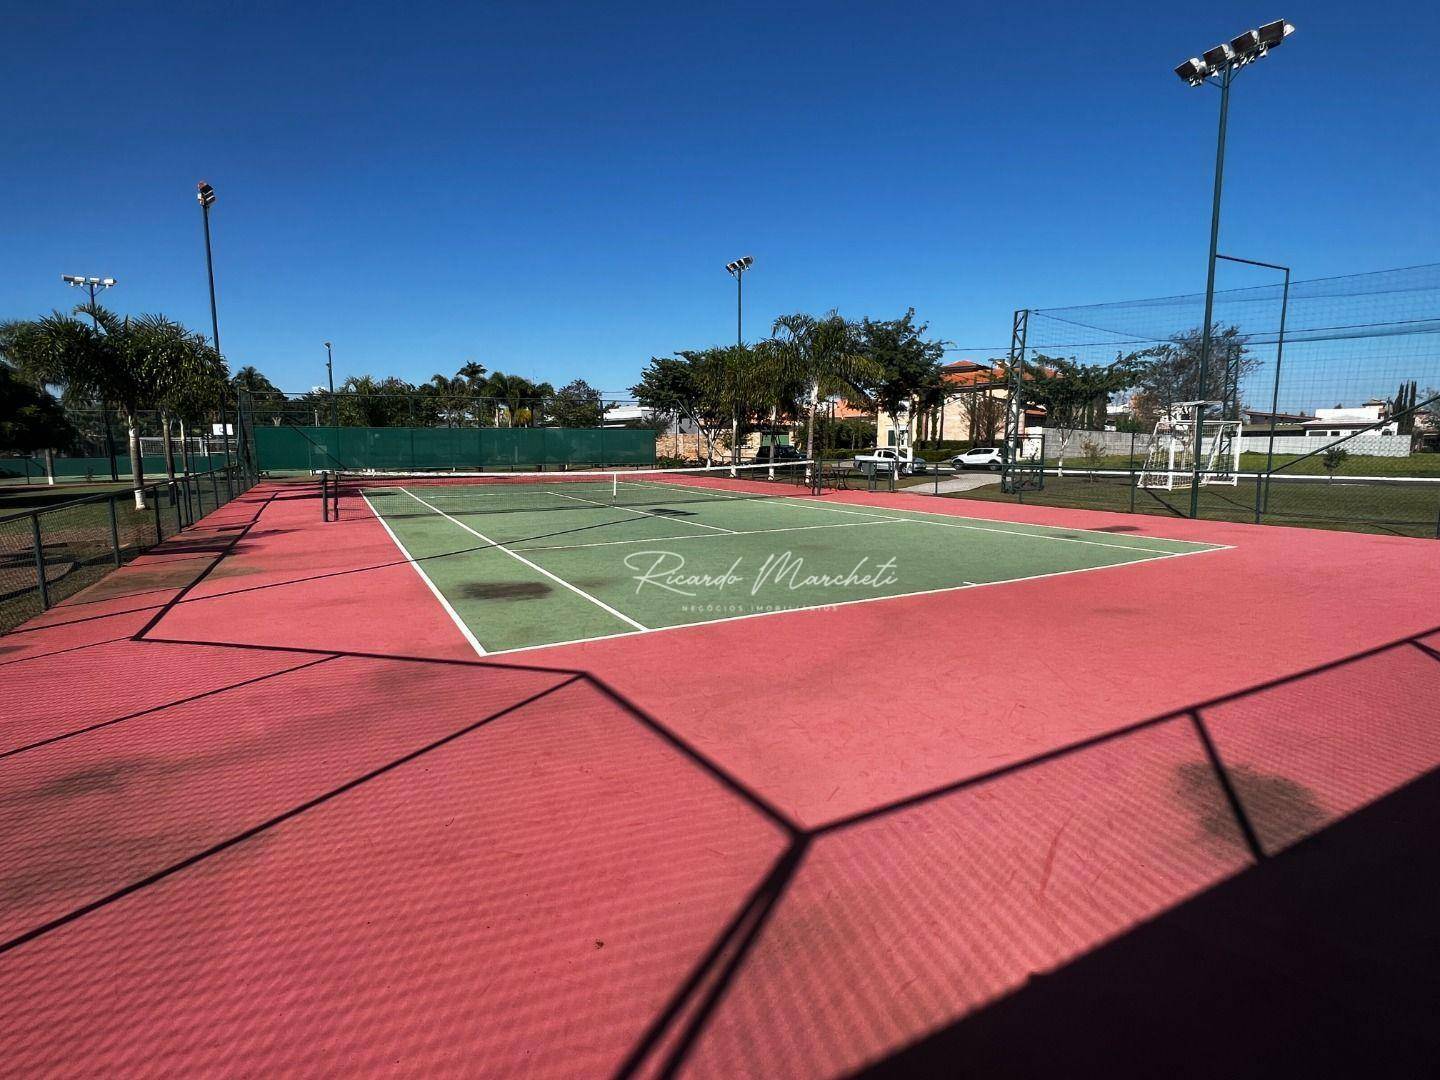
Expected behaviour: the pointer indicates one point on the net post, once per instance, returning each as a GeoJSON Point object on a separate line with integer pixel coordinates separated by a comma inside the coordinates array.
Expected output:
{"type": "Point", "coordinates": [41, 585]}
{"type": "Point", "coordinates": [114, 530]}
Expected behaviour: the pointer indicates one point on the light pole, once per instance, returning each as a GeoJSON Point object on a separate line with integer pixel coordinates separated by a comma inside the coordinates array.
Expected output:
{"type": "Point", "coordinates": [205, 194]}
{"type": "Point", "coordinates": [334, 423]}
{"type": "Point", "coordinates": [93, 285]}
{"type": "Point", "coordinates": [737, 270]}
{"type": "Point", "coordinates": [1234, 392]}
{"type": "Point", "coordinates": [1219, 66]}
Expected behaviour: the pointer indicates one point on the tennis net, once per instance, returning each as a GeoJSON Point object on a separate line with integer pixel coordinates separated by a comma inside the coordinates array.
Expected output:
{"type": "Point", "coordinates": [528, 492]}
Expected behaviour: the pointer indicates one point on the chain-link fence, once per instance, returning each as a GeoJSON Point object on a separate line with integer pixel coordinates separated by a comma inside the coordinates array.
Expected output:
{"type": "Point", "coordinates": [50, 553]}
{"type": "Point", "coordinates": [1318, 404]}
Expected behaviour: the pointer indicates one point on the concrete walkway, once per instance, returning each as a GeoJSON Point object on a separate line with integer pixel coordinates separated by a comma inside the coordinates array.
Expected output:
{"type": "Point", "coordinates": [961, 482]}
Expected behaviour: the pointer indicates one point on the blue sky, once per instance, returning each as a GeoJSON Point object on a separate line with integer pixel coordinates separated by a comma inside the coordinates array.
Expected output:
{"type": "Point", "coordinates": [554, 190]}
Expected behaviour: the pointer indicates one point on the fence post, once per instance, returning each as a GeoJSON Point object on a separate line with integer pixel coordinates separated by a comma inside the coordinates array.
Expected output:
{"type": "Point", "coordinates": [215, 487]}
{"type": "Point", "coordinates": [40, 583]}
{"type": "Point", "coordinates": [1132, 472]}
{"type": "Point", "coordinates": [155, 503]}
{"type": "Point", "coordinates": [114, 529]}
{"type": "Point", "coordinates": [179, 510]}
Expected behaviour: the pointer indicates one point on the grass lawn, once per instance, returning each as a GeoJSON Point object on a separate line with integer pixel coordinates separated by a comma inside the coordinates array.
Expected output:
{"type": "Point", "coordinates": [76, 540]}
{"type": "Point", "coordinates": [1354, 465]}
{"type": "Point", "coordinates": [1393, 508]}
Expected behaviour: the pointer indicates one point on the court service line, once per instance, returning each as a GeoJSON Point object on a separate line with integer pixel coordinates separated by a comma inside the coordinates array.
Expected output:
{"type": "Point", "coordinates": [713, 536]}
{"type": "Point", "coordinates": [533, 566]}
{"type": "Point", "coordinates": [864, 600]}
{"type": "Point", "coordinates": [454, 616]}
{"type": "Point", "coordinates": [791, 500]}
{"type": "Point", "coordinates": [642, 513]}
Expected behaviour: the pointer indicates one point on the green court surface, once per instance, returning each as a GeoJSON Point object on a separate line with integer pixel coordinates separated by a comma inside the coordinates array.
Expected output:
{"type": "Point", "coordinates": [550, 561]}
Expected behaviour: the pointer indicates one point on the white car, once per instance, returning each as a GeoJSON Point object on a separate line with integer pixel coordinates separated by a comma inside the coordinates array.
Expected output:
{"type": "Point", "coordinates": [883, 459]}
{"type": "Point", "coordinates": [980, 457]}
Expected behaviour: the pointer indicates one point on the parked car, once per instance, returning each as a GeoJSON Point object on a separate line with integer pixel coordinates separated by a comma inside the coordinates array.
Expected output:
{"type": "Point", "coordinates": [980, 457]}
{"type": "Point", "coordinates": [884, 458]}
{"type": "Point", "coordinates": [767, 455]}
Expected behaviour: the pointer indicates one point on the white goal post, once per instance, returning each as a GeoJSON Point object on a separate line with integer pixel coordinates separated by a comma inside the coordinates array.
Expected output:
{"type": "Point", "coordinates": [1170, 454]}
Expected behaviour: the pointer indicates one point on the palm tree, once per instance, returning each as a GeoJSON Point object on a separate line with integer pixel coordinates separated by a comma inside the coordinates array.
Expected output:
{"type": "Point", "coordinates": [472, 377]}
{"type": "Point", "coordinates": [101, 360]}
{"type": "Point", "coordinates": [823, 355]}
{"type": "Point", "coordinates": [524, 400]}
{"type": "Point", "coordinates": [188, 375]}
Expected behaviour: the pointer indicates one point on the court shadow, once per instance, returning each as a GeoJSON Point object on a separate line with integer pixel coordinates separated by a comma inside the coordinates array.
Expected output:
{"type": "Point", "coordinates": [1319, 961]}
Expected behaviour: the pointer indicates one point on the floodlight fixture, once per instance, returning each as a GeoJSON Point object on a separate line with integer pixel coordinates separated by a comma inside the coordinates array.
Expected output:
{"type": "Point", "coordinates": [92, 284]}
{"type": "Point", "coordinates": [739, 266]}
{"type": "Point", "coordinates": [1193, 71]}
{"type": "Point", "coordinates": [1246, 45]}
{"type": "Point", "coordinates": [1273, 33]}
{"type": "Point", "coordinates": [1218, 57]}
{"type": "Point", "coordinates": [205, 193]}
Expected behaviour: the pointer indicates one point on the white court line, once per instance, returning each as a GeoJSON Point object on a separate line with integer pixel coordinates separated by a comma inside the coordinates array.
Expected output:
{"type": "Point", "coordinates": [713, 536]}
{"type": "Point", "coordinates": [791, 500]}
{"type": "Point", "coordinates": [642, 513]}
{"type": "Point", "coordinates": [459, 622]}
{"type": "Point", "coordinates": [533, 566]}
{"type": "Point", "coordinates": [861, 600]}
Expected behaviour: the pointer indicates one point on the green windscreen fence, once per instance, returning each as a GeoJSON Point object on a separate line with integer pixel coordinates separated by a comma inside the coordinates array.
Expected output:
{"type": "Point", "coordinates": [291, 448]}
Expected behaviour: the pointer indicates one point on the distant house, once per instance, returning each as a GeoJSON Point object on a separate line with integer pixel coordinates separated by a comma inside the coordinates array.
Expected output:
{"type": "Point", "coordinates": [1258, 422]}
{"type": "Point", "coordinates": [626, 416]}
{"type": "Point", "coordinates": [974, 408]}
{"type": "Point", "coordinates": [1339, 422]}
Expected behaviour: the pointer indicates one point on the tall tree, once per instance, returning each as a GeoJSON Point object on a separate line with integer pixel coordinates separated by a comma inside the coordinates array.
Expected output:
{"type": "Point", "coordinates": [577, 404]}
{"type": "Point", "coordinates": [1402, 407]}
{"type": "Point", "coordinates": [682, 387]}
{"type": "Point", "coordinates": [824, 355]}
{"type": "Point", "coordinates": [365, 401]}
{"type": "Point", "coordinates": [31, 420]}
{"type": "Point", "coordinates": [188, 375]}
{"type": "Point", "coordinates": [523, 401]}
{"type": "Point", "coordinates": [1075, 395]}
{"type": "Point", "coordinates": [101, 360]}
{"type": "Point", "coordinates": [1170, 372]}
{"type": "Point", "coordinates": [249, 378]}
{"type": "Point", "coordinates": [911, 377]}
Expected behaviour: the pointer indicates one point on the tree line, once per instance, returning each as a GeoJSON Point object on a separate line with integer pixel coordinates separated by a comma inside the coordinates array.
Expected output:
{"type": "Point", "coordinates": [727, 392]}
{"type": "Point", "coordinates": [97, 359]}
{"type": "Point", "coordinates": [472, 397]}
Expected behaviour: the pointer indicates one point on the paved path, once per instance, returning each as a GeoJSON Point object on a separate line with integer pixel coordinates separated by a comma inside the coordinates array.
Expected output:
{"type": "Point", "coordinates": [963, 482]}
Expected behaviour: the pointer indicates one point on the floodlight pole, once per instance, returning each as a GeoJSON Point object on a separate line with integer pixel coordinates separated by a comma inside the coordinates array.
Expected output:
{"type": "Point", "coordinates": [334, 421]}
{"type": "Point", "coordinates": [737, 271]}
{"type": "Point", "coordinates": [92, 286]}
{"type": "Point", "coordinates": [1227, 75]}
{"type": "Point", "coordinates": [206, 196]}
{"type": "Point", "coordinates": [1220, 65]}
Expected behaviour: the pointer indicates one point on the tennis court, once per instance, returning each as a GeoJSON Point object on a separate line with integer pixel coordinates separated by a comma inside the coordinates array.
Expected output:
{"type": "Point", "coordinates": [526, 560]}
{"type": "Point", "coordinates": [263, 808]}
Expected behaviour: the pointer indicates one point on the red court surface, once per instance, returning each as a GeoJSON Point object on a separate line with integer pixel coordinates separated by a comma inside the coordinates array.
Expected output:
{"type": "Point", "coordinates": [264, 810]}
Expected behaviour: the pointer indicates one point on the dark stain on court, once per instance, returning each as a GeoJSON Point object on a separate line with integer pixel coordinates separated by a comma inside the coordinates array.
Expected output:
{"type": "Point", "coordinates": [505, 590]}
{"type": "Point", "coordinates": [1280, 810]}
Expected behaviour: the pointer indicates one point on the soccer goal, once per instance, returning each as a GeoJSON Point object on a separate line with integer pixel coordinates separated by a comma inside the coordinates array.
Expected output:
{"type": "Point", "coordinates": [1170, 455]}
